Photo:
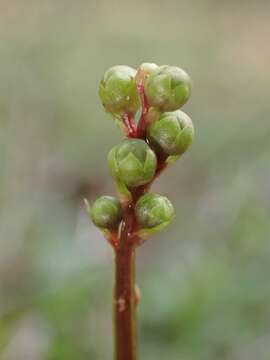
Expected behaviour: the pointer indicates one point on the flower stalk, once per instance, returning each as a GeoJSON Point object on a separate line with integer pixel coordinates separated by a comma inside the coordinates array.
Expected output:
{"type": "Point", "coordinates": [124, 301]}
{"type": "Point", "coordinates": [162, 135]}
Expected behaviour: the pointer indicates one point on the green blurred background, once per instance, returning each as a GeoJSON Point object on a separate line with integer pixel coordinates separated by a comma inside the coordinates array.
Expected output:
{"type": "Point", "coordinates": [205, 280]}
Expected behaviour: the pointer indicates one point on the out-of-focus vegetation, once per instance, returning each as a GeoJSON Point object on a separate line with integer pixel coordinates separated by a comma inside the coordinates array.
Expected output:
{"type": "Point", "coordinates": [205, 282]}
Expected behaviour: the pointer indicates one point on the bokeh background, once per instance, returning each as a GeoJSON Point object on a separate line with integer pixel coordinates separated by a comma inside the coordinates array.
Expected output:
{"type": "Point", "coordinates": [205, 281]}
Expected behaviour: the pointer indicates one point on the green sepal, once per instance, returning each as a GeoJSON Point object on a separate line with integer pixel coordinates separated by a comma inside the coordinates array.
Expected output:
{"type": "Point", "coordinates": [133, 167]}
{"type": "Point", "coordinates": [148, 164]}
{"type": "Point", "coordinates": [184, 138]}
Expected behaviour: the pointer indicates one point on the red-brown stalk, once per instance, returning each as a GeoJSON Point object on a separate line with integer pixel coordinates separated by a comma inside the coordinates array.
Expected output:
{"type": "Point", "coordinates": [124, 244]}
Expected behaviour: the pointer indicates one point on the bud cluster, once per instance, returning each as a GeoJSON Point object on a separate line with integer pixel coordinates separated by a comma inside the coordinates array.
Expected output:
{"type": "Point", "coordinates": [163, 133]}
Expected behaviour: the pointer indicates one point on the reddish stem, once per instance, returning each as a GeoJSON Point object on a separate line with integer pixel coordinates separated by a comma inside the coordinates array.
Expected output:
{"type": "Point", "coordinates": [130, 125]}
{"type": "Point", "coordinates": [125, 299]}
{"type": "Point", "coordinates": [124, 294]}
{"type": "Point", "coordinates": [132, 129]}
{"type": "Point", "coordinates": [141, 129]}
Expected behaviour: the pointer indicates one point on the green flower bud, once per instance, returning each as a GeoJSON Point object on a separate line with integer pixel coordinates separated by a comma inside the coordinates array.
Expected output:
{"type": "Point", "coordinates": [118, 91]}
{"type": "Point", "coordinates": [143, 72]}
{"type": "Point", "coordinates": [168, 88]}
{"type": "Point", "coordinates": [153, 212]}
{"type": "Point", "coordinates": [172, 133]}
{"type": "Point", "coordinates": [132, 163]}
{"type": "Point", "coordinates": [106, 212]}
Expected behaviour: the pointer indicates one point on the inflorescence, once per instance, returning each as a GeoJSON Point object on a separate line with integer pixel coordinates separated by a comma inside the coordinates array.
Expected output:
{"type": "Point", "coordinates": [160, 136]}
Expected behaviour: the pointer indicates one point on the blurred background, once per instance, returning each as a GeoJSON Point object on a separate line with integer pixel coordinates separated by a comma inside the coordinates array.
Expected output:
{"type": "Point", "coordinates": [205, 281]}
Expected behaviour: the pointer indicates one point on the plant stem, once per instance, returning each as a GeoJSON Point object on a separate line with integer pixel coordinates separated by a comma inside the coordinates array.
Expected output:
{"type": "Point", "coordinates": [124, 293]}
{"type": "Point", "coordinates": [125, 328]}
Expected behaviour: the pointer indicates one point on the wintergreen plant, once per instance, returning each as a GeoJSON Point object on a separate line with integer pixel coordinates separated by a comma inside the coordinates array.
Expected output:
{"type": "Point", "coordinates": [161, 135]}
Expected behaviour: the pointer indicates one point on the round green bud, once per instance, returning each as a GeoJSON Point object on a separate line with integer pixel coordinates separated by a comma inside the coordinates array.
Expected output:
{"type": "Point", "coordinates": [168, 88]}
{"type": "Point", "coordinates": [144, 71]}
{"type": "Point", "coordinates": [153, 210]}
{"type": "Point", "coordinates": [118, 91]}
{"type": "Point", "coordinates": [132, 162]}
{"type": "Point", "coordinates": [172, 133]}
{"type": "Point", "coordinates": [106, 212]}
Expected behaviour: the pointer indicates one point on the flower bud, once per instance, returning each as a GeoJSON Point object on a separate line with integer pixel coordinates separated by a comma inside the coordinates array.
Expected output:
{"type": "Point", "coordinates": [153, 212]}
{"type": "Point", "coordinates": [172, 133]}
{"type": "Point", "coordinates": [132, 162]}
{"type": "Point", "coordinates": [118, 91]}
{"type": "Point", "coordinates": [143, 72]}
{"type": "Point", "coordinates": [106, 212]}
{"type": "Point", "coordinates": [168, 88]}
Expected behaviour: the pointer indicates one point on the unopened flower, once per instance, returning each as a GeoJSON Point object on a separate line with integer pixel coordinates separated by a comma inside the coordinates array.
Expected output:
{"type": "Point", "coordinates": [153, 213]}
{"type": "Point", "coordinates": [132, 162]}
{"type": "Point", "coordinates": [106, 212]}
{"type": "Point", "coordinates": [118, 91]}
{"type": "Point", "coordinates": [168, 88]}
{"type": "Point", "coordinates": [144, 72]}
{"type": "Point", "coordinates": [172, 133]}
